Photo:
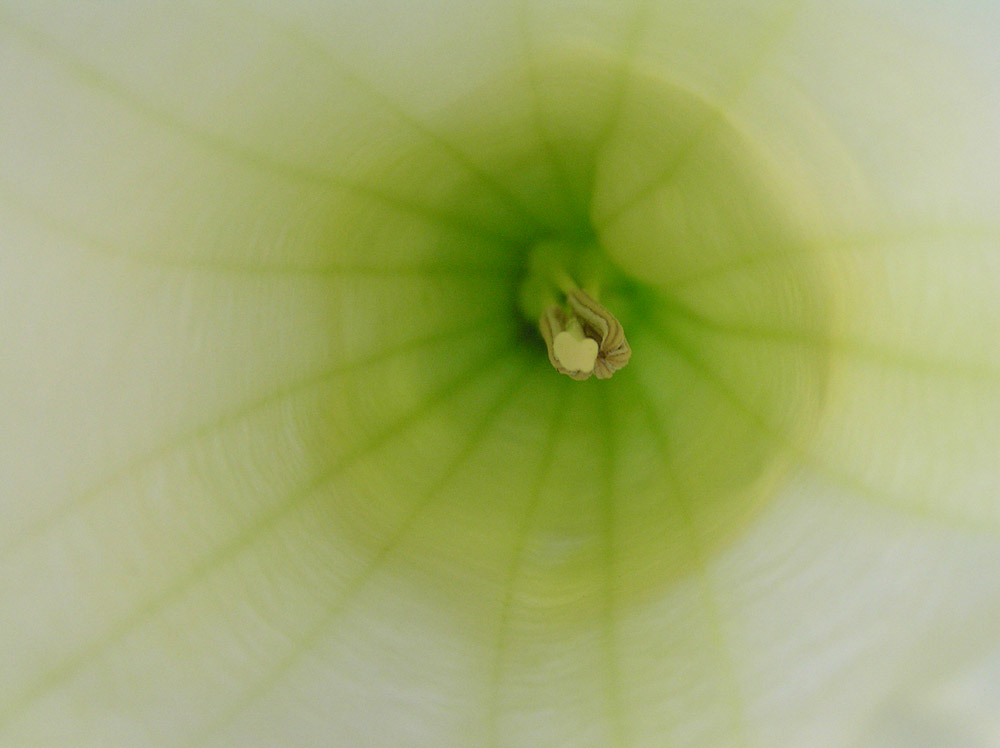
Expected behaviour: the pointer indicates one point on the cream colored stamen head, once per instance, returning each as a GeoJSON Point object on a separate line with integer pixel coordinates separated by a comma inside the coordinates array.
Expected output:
{"type": "Point", "coordinates": [573, 350]}
{"type": "Point", "coordinates": [588, 340]}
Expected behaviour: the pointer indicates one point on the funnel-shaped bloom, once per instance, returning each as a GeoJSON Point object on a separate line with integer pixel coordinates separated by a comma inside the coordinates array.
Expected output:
{"type": "Point", "coordinates": [285, 460]}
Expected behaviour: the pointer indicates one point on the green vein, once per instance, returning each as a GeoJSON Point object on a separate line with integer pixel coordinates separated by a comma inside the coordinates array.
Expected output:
{"type": "Point", "coordinates": [336, 271]}
{"type": "Point", "coordinates": [609, 637]}
{"type": "Point", "coordinates": [103, 249]}
{"type": "Point", "coordinates": [867, 242]}
{"type": "Point", "coordinates": [228, 419]}
{"type": "Point", "coordinates": [744, 78]}
{"type": "Point", "coordinates": [535, 497]}
{"type": "Point", "coordinates": [317, 633]}
{"type": "Point", "coordinates": [882, 355]}
{"type": "Point", "coordinates": [244, 156]}
{"type": "Point", "coordinates": [574, 202]}
{"type": "Point", "coordinates": [922, 508]}
{"type": "Point", "coordinates": [245, 539]}
{"type": "Point", "coordinates": [303, 40]}
{"type": "Point", "coordinates": [724, 658]}
{"type": "Point", "coordinates": [640, 21]}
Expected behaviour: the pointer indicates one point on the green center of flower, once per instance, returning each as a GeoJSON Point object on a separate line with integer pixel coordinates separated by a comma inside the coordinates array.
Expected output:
{"type": "Point", "coordinates": [583, 338]}
{"type": "Point", "coordinates": [618, 219]}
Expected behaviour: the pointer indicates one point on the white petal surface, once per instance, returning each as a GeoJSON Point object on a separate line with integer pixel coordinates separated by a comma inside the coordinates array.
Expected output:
{"type": "Point", "coordinates": [279, 464]}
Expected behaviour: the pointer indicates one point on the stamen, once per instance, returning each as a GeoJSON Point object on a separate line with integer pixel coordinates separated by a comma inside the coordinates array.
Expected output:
{"type": "Point", "coordinates": [586, 340]}
{"type": "Point", "coordinates": [560, 290]}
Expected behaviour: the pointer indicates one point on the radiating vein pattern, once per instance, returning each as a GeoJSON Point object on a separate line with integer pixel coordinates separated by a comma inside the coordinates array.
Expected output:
{"type": "Point", "coordinates": [311, 639]}
{"type": "Point", "coordinates": [301, 39]}
{"type": "Point", "coordinates": [524, 528]}
{"type": "Point", "coordinates": [918, 503]}
{"type": "Point", "coordinates": [244, 540]}
{"type": "Point", "coordinates": [224, 422]}
{"type": "Point", "coordinates": [674, 493]}
{"type": "Point", "coordinates": [701, 128]}
{"type": "Point", "coordinates": [241, 155]}
{"type": "Point", "coordinates": [607, 497]}
{"type": "Point", "coordinates": [283, 460]}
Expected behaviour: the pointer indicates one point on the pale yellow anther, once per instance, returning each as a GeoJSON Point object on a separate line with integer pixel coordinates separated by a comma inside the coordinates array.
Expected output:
{"type": "Point", "coordinates": [574, 350]}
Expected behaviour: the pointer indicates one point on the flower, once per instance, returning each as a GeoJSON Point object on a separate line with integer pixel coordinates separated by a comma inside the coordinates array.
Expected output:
{"type": "Point", "coordinates": [284, 458]}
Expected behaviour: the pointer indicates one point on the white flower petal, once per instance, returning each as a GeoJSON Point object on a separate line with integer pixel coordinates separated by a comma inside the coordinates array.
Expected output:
{"type": "Point", "coordinates": [273, 469]}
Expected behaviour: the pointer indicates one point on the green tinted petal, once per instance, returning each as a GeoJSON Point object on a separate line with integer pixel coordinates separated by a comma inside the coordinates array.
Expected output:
{"type": "Point", "coordinates": [281, 464]}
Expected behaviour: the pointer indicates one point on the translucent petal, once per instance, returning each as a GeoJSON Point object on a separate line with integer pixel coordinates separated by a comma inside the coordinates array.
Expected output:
{"type": "Point", "coordinates": [280, 465]}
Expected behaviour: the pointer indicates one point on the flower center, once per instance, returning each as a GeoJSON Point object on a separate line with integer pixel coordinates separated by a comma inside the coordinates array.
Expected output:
{"type": "Point", "coordinates": [604, 217]}
{"type": "Point", "coordinates": [583, 338]}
